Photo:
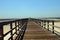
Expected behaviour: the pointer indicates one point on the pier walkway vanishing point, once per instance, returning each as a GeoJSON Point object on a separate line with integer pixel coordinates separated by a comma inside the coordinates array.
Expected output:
{"type": "Point", "coordinates": [30, 29]}
{"type": "Point", "coordinates": [35, 32]}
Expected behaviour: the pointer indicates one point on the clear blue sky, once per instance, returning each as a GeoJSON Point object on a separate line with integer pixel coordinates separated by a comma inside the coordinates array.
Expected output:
{"type": "Point", "coordinates": [29, 8]}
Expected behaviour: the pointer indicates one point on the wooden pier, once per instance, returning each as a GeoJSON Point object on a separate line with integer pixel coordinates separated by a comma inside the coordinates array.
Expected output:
{"type": "Point", "coordinates": [36, 32]}
{"type": "Point", "coordinates": [30, 29]}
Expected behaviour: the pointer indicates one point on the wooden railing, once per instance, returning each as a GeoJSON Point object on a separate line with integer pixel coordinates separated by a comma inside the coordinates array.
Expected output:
{"type": "Point", "coordinates": [45, 23]}
{"type": "Point", "coordinates": [20, 27]}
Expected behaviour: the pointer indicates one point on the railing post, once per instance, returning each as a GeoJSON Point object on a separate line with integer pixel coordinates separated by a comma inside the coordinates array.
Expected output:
{"type": "Point", "coordinates": [22, 31]}
{"type": "Point", "coordinates": [40, 23]}
{"type": "Point", "coordinates": [18, 24]}
{"type": "Point", "coordinates": [53, 26]}
{"type": "Point", "coordinates": [21, 23]}
{"type": "Point", "coordinates": [11, 31]}
{"type": "Point", "coordinates": [44, 24]}
{"type": "Point", "coordinates": [1, 32]}
{"type": "Point", "coordinates": [48, 25]}
{"type": "Point", "coordinates": [16, 27]}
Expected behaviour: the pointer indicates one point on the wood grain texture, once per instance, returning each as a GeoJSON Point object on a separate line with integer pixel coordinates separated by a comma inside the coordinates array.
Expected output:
{"type": "Point", "coordinates": [35, 32]}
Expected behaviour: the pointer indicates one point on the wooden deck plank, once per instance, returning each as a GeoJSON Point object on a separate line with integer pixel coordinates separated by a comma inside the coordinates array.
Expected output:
{"type": "Point", "coordinates": [35, 32]}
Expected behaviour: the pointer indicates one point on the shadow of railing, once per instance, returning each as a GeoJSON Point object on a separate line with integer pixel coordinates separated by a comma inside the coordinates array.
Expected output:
{"type": "Point", "coordinates": [20, 27]}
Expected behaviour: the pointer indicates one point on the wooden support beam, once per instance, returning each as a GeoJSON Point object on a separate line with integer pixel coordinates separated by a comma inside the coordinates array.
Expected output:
{"type": "Point", "coordinates": [18, 24]}
{"type": "Point", "coordinates": [11, 31]}
{"type": "Point", "coordinates": [44, 24]}
{"type": "Point", "coordinates": [1, 32]}
{"type": "Point", "coordinates": [16, 27]}
{"type": "Point", "coordinates": [53, 26]}
{"type": "Point", "coordinates": [48, 25]}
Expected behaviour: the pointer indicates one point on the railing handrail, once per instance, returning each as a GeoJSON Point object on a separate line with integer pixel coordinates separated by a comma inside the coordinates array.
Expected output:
{"type": "Point", "coordinates": [38, 21]}
{"type": "Point", "coordinates": [52, 25]}
{"type": "Point", "coordinates": [22, 27]}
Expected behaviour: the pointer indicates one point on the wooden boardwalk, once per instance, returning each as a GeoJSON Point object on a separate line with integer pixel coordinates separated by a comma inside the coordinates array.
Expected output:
{"type": "Point", "coordinates": [35, 32]}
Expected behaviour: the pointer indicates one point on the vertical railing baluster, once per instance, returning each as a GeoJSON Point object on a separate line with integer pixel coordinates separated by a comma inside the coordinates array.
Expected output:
{"type": "Point", "coordinates": [18, 24]}
{"type": "Point", "coordinates": [53, 26]}
{"type": "Point", "coordinates": [44, 24]}
{"type": "Point", "coordinates": [48, 25]}
{"type": "Point", "coordinates": [1, 32]}
{"type": "Point", "coordinates": [11, 31]}
{"type": "Point", "coordinates": [16, 27]}
{"type": "Point", "coordinates": [40, 23]}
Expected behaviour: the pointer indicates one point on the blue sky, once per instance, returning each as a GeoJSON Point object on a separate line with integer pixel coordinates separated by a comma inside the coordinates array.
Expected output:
{"type": "Point", "coordinates": [29, 8]}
